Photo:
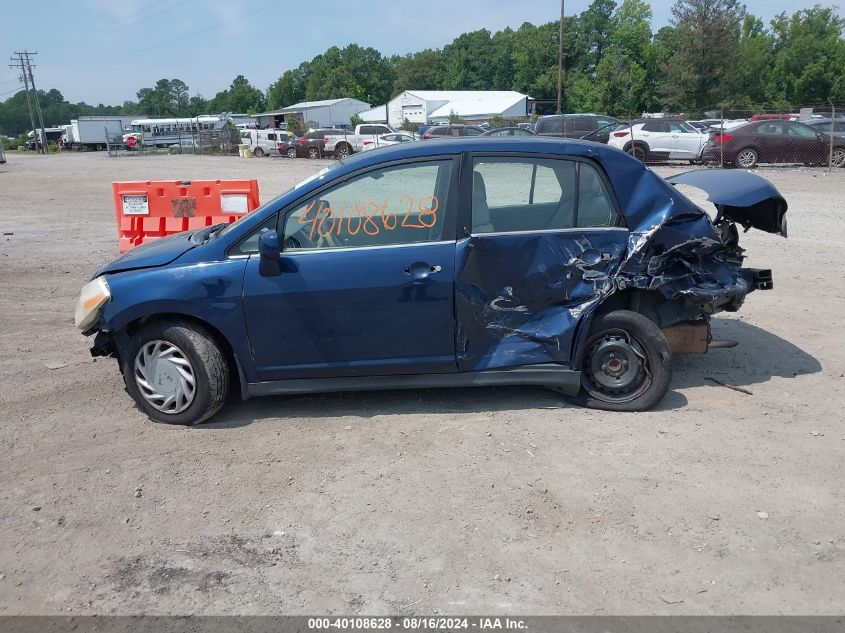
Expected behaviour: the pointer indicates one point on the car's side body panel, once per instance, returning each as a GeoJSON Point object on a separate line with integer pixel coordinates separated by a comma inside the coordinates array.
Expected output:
{"type": "Point", "coordinates": [497, 300]}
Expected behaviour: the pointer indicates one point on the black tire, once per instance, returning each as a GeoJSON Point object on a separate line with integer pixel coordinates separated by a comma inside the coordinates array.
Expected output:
{"type": "Point", "coordinates": [99, 148]}
{"type": "Point", "coordinates": [342, 150]}
{"type": "Point", "coordinates": [638, 151]}
{"type": "Point", "coordinates": [210, 370]}
{"type": "Point", "coordinates": [313, 152]}
{"type": "Point", "coordinates": [628, 339]}
{"type": "Point", "coordinates": [258, 153]}
{"type": "Point", "coordinates": [838, 157]}
{"type": "Point", "coordinates": [291, 152]}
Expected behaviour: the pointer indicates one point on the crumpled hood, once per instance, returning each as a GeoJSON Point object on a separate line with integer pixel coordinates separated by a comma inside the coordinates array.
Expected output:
{"type": "Point", "coordinates": [747, 199]}
{"type": "Point", "coordinates": [156, 253]}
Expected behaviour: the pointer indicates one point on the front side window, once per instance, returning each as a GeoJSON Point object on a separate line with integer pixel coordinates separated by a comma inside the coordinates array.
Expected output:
{"type": "Point", "coordinates": [525, 194]}
{"type": "Point", "coordinates": [798, 129]}
{"type": "Point", "coordinates": [402, 204]}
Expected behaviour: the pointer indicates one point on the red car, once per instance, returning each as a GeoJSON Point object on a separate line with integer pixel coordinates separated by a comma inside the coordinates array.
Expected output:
{"type": "Point", "coordinates": [772, 141]}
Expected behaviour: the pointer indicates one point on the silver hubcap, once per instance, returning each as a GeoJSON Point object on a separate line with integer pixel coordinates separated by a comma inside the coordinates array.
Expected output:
{"type": "Point", "coordinates": [165, 377]}
{"type": "Point", "coordinates": [839, 158]}
{"type": "Point", "coordinates": [747, 158]}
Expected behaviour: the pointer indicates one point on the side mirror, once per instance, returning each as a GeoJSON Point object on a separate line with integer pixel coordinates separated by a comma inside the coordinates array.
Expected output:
{"type": "Point", "coordinates": [269, 254]}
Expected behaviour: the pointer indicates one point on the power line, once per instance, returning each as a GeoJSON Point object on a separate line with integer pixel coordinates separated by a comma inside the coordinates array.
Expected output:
{"type": "Point", "coordinates": [22, 66]}
{"type": "Point", "coordinates": [138, 21]}
{"type": "Point", "coordinates": [208, 28]}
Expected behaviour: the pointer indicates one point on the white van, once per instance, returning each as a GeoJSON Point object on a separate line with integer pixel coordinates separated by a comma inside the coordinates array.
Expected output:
{"type": "Point", "coordinates": [264, 142]}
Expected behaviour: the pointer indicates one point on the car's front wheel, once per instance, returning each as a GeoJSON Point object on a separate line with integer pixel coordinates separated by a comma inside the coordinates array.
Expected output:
{"type": "Point", "coordinates": [838, 157]}
{"type": "Point", "coordinates": [313, 153]}
{"type": "Point", "coordinates": [175, 372]}
{"type": "Point", "coordinates": [626, 365]}
{"type": "Point", "coordinates": [746, 158]}
{"type": "Point", "coordinates": [291, 152]}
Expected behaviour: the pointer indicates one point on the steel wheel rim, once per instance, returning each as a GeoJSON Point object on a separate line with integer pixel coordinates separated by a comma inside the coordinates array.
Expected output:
{"type": "Point", "coordinates": [839, 157]}
{"type": "Point", "coordinates": [616, 368]}
{"type": "Point", "coordinates": [165, 377]}
{"type": "Point", "coordinates": [746, 158]}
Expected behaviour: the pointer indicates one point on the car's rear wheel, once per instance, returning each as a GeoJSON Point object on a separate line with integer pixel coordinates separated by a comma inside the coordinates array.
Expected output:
{"type": "Point", "coordinates": [638, 151]}
{"type": "Point", "coordinates": [626, 365]}
{"type": "Point", "coordinates": [838, 157]}
{"type": "Point", "coordinates": [342, 150]}
{"type": "Point", "coordinates": [746, 158]}
{"type": "Point", "coordinates": [175, 372]}
{"type": "Point", "coordinates": [258, 153]}
{"type": "Point", "coordinates": [313, 152]}
{"type": "Point", "coordinates": [291, 152]}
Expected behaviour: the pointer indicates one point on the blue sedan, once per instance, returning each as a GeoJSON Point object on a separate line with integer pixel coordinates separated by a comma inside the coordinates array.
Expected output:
{"type": "Point", "coordinates": [484, 261]}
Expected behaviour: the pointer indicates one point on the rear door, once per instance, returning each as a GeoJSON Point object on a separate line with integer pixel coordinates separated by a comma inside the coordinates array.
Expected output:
{"type": "Point", "coordinates": [686, 142]}
{"type": "Point", "coordinates": [542, 235]}
{"type": "Point", "coordinates": [656, 135]}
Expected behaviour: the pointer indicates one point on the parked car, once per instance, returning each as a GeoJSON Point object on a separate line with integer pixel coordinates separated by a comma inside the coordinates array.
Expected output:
{"type": "Point", "coordinates": [289, 147]}
{"type": "Point", "coordinates": [451, 130]}
{"type": "Point", "coordinates": [589, 127]}
{"type": "Point", "coordinates": [345, 142]}
{"type": "Point", "coordinates": [474, 262]}
{"type": "Point", "coordinates": [772, 141]}
{"type": "Point", "coordinates": [825, 125]}
{"type": "Point", "coordinates": [509, 131]}
{"type": "Point", "coordinates": [184, 146]}
{"type": "Point", "coordinates": [385, 140]}
{"type": "Point", "coordinates": [264, 142]}
{"type": "Point", "coordinates": [313, 143]}
{"type": "Point", "coordinates": [659, 139]}
{"type": "Point", "coordinates": [526, 126]}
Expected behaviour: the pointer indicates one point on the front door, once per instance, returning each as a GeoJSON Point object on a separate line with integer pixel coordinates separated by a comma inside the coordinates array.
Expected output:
{"type": "Point", "coordinates": [546, 236]}
{"type": "Point", "coordinates": [367, 278]}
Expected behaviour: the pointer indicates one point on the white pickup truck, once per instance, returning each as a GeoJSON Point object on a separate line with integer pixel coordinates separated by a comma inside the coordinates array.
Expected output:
{"type": "Point", "coordinates": [344, 143]}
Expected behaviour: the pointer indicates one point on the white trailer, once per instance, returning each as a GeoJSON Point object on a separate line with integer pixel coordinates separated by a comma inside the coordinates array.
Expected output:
{"type": "Point", "coordinates": [94, 132]}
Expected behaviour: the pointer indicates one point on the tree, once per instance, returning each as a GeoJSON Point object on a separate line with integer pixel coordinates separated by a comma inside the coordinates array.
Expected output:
{"type": "Point", "coordinates": [808, 55]}
{"type": "Point", "coordinates": [289, 88]}
{"type": "Point", "coordinates": [466, 62]}
{"type": "Point", "coordinates": [240, 96]}
{"type": "Point", "coordinates": [420, 71]}
{"type": "Point", "coordinates": [698, 74]}
{"type": "Point", "coordinates": [169, 97]}
{"type": "Point", "coordinates": [596, 26]}
{"type": "Point", "coordinates": [355, 120]}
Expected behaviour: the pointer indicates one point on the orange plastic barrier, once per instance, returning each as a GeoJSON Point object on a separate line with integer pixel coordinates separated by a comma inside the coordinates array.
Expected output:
{"type": "Point", "coordinates": [148, 210]}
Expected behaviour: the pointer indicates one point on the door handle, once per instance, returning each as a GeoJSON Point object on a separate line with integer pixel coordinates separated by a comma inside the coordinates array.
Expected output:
{"type": "Point", "coordinates": [421, 270]}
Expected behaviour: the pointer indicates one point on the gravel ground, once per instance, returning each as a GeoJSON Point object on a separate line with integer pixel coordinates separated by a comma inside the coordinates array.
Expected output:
{"type": "Point", "coordinates": [453, 501]}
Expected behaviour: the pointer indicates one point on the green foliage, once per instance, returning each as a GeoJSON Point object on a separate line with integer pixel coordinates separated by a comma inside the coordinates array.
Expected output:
{"type": "Point", "coordinates": [713, 54]}
{"type": "Point", "coordinates": [454, 117]}
{"type": "Point", "coordinates": [355, 120]}
{"type": "Point", "coordinates": [497, 121]}
{"type": "Point", "coordinates": [408, 126]}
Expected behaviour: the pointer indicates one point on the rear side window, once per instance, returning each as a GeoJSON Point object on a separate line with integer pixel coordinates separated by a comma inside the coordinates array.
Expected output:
{"type": "Point", "coordinates": [438, 130]}
{"type": "Point", "coordinates": [550, 125]}
{"type": "Point", "coordinates": [471, 131]}
{"type": "Point", "coordinates": [512, 194]}
{"type": "Point", "coordinates": [653, 126]}
{"type": "Point", "coordinates": [583, 124]}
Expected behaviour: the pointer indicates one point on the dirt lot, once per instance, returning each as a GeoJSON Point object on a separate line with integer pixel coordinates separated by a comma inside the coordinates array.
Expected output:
{"type": "Point", "coordinates": [451, 501]}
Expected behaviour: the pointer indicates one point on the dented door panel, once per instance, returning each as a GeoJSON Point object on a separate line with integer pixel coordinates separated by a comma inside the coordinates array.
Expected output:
{"type": "Point", "coordinates": [519, 296]}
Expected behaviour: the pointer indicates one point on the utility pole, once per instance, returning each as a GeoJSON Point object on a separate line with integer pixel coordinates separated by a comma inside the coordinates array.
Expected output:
{"type": "Point", "coordinates": [25, 78]}
{"type": "Point", "coordinates": [560, 61]}
{"type": "Point", "coordinates": [26, 55]}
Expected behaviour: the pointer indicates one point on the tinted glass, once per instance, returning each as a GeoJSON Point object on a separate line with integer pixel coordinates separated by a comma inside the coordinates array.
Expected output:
{"type": "Point", "coordinates": [797, 129]}
{"type": "Point", "coordinates": [395, 205]}
{"type": "Point", "coordinates": [652, 126]}
{"type": "Point", "coordinates": [472, 131]}
{"type": "Point", "coordinates": [550, 125]}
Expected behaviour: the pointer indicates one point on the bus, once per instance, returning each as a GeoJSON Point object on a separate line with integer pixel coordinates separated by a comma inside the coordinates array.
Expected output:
{"type": "Point", "coordinates": [165, 132]}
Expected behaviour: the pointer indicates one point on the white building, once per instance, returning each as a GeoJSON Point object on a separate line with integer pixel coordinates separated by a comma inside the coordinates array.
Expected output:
{"type": "Point", "coordinates": [324, 113]}
{"type": "Point", "coordinates": [430, 106]}
{"type": "Point", "coordinates": [376, 115]}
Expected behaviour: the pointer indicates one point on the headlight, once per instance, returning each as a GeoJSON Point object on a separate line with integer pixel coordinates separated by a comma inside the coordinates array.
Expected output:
{"type": "Point", "coordinates": [95, 294]}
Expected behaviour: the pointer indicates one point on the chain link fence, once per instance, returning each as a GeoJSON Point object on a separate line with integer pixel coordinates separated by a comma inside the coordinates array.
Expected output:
{"type": "Point", "coordinates": [222, 141]}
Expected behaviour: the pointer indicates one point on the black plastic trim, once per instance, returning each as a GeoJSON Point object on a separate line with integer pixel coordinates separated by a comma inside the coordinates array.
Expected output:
{"type": "Point", "coordinates": [564, 380]}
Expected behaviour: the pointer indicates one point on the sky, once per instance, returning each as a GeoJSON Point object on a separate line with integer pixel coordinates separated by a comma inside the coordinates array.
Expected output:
{"type": "Point", "coordinates": [103, 51]}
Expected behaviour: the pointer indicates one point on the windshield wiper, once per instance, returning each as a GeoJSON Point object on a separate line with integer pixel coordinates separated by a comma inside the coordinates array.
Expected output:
{"type": "Point", "coordinates": [205, 234]}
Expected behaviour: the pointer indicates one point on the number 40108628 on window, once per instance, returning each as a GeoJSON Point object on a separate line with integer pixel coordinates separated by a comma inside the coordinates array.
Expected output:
{"type": "Point", "coordinates": [481, 261]}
